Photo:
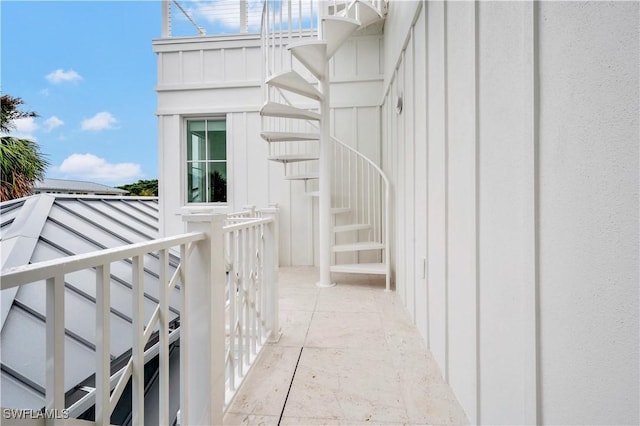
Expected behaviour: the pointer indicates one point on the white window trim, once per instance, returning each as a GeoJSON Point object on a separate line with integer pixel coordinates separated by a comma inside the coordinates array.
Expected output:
{"type": "Point", "coordinates": [183, 163]}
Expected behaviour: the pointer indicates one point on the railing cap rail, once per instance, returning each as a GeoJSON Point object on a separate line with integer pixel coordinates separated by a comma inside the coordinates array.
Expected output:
{"type": "Point", "coordinates": [20, 275]}
{"type": "Point", "coordinates": [247, 224]}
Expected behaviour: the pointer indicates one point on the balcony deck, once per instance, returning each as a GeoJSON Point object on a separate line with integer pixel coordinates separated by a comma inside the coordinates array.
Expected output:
{"type": "Point", "coordinates": [348, 355]}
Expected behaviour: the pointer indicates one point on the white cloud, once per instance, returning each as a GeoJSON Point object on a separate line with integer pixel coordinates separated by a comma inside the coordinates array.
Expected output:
{"type": "Point", "coordinates": [24, 128]}
{"type": "Point", "coordinates": [45, 92]}
{"type": "Point", "coordinates": [100, 121]}
{"type": "Point", "coordinates": [60, 75]}
{"type": "Point", "coordinates": [52, 122]}
{"type": "Point", "coordinates": [92, 167]}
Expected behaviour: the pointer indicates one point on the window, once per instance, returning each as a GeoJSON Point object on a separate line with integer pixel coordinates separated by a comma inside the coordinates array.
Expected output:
{"type": "Point", "coordinates": [206, 161]}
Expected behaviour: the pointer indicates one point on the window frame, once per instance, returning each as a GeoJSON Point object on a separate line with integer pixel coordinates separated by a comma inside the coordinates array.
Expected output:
{"type": "Point", "coordinates": [185, 163]}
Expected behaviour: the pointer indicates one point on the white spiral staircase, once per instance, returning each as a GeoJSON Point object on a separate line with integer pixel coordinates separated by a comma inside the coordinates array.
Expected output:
{"type": "Point", "coordinates": [299, 40]}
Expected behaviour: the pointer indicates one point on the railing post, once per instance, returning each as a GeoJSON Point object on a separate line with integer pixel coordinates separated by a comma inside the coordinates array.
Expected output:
{"type": "Point", "coordinates": [54, 396]}
{"type": "Point", "coordinates": [251, 208]}
{"type": "Point", "coordinates": [137, 349]}
{"type": "Point", "coordinates": [271, 272]}
{"type": "Point", "coordinates": [103, 345]}
{"type": "Point", "coordinates": [166, 18]}
{"type": "Point", "coordinates": [202, 331]}
{"type": "Point", "coordinates": [243, 16]}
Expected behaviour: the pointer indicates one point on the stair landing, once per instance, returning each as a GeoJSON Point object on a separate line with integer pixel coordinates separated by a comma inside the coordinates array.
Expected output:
{"type": "Point", "coordinates": [348, 355]}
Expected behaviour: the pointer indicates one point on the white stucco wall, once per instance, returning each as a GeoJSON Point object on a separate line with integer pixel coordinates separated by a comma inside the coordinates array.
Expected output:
{"type": "Point", "coordinates": [221, 76]}
{"type": "Point", "coordinates": [527, 212]}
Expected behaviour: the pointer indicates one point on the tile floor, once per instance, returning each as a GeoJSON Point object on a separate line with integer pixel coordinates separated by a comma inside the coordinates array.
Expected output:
{"type": "Point", "coordinates": [348, 355]}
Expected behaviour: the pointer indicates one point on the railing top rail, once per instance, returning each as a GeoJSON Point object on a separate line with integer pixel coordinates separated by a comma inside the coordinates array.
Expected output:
{"type": "Point", "coordinates": [247, 224]}
{"type": "Point", "coordinates": [42, 270]}
{"type": "Point", "coordinates": [364, 157]}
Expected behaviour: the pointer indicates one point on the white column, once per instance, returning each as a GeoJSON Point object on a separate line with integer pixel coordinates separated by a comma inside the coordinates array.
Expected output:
{"type": "Point", "coordinates": [202, 330]}
{"type": "Point", "coordinates": [326, 170]}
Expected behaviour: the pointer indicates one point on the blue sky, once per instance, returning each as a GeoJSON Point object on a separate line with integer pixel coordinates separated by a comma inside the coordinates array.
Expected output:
{"type": "Point", "coordinates": [88, 69]}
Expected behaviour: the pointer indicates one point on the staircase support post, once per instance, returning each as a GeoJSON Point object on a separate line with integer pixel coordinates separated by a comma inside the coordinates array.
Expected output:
{"type": "Point", "coordinates": [326, 171]}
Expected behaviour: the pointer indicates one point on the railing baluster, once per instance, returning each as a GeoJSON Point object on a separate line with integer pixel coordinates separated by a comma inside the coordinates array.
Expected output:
{"type": "Point", "coordinates": [233, 322]}
{"type": "Point", "coordinates": [184, 325]}
{"type": "Point", "coordinates": [55, 340]}
{"type": "Point", "coordinates": [241, 298]}
{"type": "Point", "coordinates": [137, 355]}
{"type": "Point", "coordinates": [243, 16]}
{"type": "Point", "coordinates": [254, 305]}
{"type": "Point", "coordinates": [290, 20]}
{"type": "Point", "coordinates": [350, 189]}
{"type": "Point", "coordinates": [273, 17]}
{"type": "Point", "coordinates": [246, 282]}
{"type": "Point", "coordinates": [260, 241]}
{"type": "Point", "coordinates": [281, 35]}
{"type": "Point", "coordinates": [369, 196]}
{"type": "Point", "coordinates": [103, 340]}
{"type": "Point", "coordinates": [163, 357]}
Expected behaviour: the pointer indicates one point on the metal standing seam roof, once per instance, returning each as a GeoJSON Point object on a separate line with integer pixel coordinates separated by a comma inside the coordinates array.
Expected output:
{"type": "Point", "coordinates": [49, 226]}
{"type": "Point", "coordinates": [77, 186]}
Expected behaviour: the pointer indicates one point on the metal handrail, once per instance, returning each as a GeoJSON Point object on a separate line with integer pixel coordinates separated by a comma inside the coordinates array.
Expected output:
{"type": "Point", "coordinates": [368, 209]}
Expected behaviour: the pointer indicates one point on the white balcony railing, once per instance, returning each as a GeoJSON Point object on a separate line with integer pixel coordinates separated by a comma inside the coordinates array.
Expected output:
{"type": "Point", "coordinates": [189, 18]}
{"type": "Point", "coordinates": [227, 313]}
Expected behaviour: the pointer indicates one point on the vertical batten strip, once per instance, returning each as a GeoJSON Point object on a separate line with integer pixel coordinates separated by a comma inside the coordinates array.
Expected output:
{"type": "Point", "coordinates": [103, 340]}
{"type": "Point", "coordinates": [54, 394]}
{"type": "Point", "coordinates": [533, 388]}
{"type": "Point", "coordinates": [426, 162]}
{"type": "Point", "coordinates": [477, 207]}
{"type": "Point", "coordinates": [137, 389]}
{"type": "Point", "coordinates": [446, 194]}
{"type": "Point", "coordinates": [163, 358]}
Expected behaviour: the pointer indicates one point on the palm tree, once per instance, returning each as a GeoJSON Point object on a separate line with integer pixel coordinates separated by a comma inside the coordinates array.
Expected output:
{"type": "Point", "coordinates": [21, 162]}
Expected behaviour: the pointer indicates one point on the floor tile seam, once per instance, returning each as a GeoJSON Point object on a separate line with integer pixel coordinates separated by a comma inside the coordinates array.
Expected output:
{"type": "Point", "coordinates": [293, 376]}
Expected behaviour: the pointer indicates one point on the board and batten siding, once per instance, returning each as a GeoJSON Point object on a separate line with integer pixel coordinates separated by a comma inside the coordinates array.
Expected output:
{"type": "Point", "coordinates": [514, 165]}
{"type": "Point", "coordinates": [221, 77]}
